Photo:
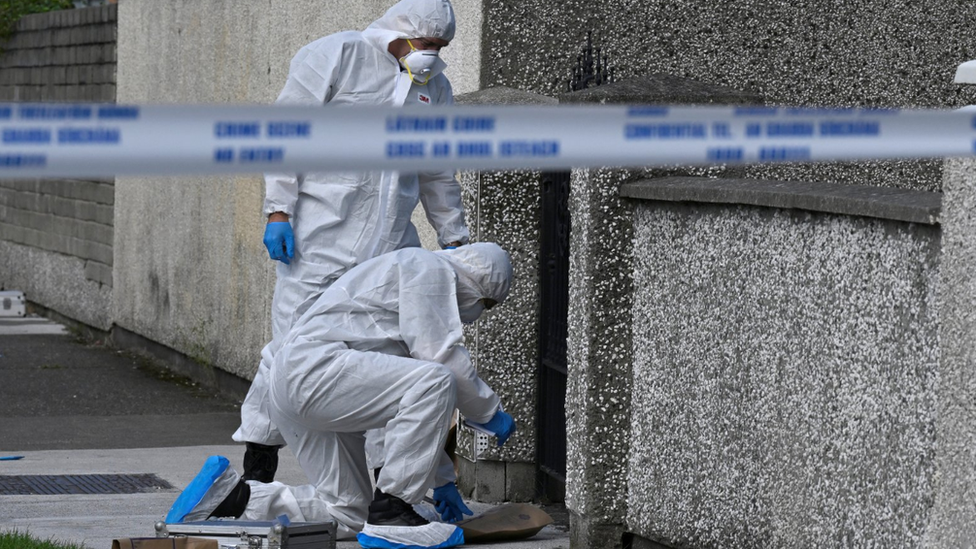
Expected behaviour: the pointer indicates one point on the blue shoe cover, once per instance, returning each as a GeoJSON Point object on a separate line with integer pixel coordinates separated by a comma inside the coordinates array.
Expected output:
{"type": "Point", "coordinates": [373, 542]}
{"type": "Point", "coordinates": [194, 492]}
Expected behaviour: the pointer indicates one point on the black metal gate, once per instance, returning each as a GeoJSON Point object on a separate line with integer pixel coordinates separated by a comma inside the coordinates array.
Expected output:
{"type": "Point", "coordinates": [554, 275]}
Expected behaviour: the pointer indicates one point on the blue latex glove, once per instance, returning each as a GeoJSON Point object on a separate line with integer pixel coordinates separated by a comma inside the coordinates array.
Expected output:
{"type": "Point", "coordinates": [280, 241]}
{"type": "Point", "coordinates": [501, 424]}
{"type": "Point", "coordinates": [449, 504]}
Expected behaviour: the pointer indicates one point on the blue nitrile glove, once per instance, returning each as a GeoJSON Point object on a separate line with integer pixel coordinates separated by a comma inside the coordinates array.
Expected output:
{"type": "Point", "coordinates": [449, 504]}
{"type": "Point", "coordinates": [501, 424]}
{"type": "Point", "coordinates": [280, 241]}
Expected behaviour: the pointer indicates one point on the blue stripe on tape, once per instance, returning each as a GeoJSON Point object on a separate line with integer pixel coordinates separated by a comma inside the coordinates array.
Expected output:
{"type": "Point", "coordinates": [647, 111]}
{"type": "Point", "coordinates": [26, 136]}
{"type": "Point", "coordinates": [233, 130]}
{"type": "Point", "coordinates": [87, 136]}
{"type": "Point", "coordinates": [784, 154]}
{"type": "Point", "coordinates": [118, 112]}
{"type": "Point", "coordinates": [730, 154]}
{"type": "Point", "coordinates": [471, 124]}
{"type": "Point", "coordinates": [23, 160]}
{"type": "Point", "coordinates": [55, 112]}
{"type": "Point", "coordinates": [850, 128]}
{"type": "Point", "coordinates": [755, 111]}
{"type": "Point", "coordinates": [281, 130]}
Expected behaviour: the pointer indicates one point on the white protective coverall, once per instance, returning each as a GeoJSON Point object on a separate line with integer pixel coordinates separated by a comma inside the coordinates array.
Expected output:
{"type": "Point", "coordinates": [343, 219]}
{"type": "Point", "coordinates": [381, 347]}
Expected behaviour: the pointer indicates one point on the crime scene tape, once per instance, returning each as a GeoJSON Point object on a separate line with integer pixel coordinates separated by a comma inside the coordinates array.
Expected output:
{"type": "Point", "coordinates": [103, 140]}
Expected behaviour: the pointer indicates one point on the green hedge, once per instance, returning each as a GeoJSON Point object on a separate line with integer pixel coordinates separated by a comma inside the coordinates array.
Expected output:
{"type": "Point", "coordinates": [12, 10]}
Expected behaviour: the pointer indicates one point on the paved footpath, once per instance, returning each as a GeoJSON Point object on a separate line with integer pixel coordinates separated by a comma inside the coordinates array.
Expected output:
{"type": "Point", "coordinates": [71, 409]}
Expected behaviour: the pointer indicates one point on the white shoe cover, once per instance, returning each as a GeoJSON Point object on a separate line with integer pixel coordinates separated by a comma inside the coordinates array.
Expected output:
{"type": "Point", "coordinates": [429, 536]}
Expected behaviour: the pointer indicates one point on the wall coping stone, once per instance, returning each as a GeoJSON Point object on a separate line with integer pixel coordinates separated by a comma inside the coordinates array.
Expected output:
{"type": "Point", "coordinates": [862, 200]}
{"type": "Point", "coordinates": [502, 95]}
{"type": "Point", "coordinates": [663, 88]}
{"type": "Point", "coordinates": [68, 18]}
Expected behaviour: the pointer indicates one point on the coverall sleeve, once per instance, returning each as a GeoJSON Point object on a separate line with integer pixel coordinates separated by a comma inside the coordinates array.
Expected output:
{"type": "Point", "coordinates": [444, 472]}
{"type": "Point", "coordinates": [440, 193]}
{"type": "Point", "coordinates": [431, 329]}
{"type": "Point", "coordinates": [310, 80]}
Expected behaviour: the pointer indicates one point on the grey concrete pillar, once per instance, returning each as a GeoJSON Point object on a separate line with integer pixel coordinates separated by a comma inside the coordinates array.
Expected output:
{"type": "Point", "coordinates": [503, 207]}
{"type": "Point", "coordinates": [600, 333]}
{"type": "Point", "coordinates": [953, 516]}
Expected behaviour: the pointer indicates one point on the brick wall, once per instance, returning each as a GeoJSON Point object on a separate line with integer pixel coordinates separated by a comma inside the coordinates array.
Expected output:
{"type": "Point", "coordinates": [66, 55]}
{"type": "Point", "coordinates": [70, 56]}
{"type": "Point", "coordinates": [70, 217]}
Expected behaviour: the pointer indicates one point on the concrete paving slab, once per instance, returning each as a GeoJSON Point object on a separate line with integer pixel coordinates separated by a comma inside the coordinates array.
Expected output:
{"type": "Point", "coordinates": [30, 325]}
{"type": "Point", "coordinates": [95, 520]}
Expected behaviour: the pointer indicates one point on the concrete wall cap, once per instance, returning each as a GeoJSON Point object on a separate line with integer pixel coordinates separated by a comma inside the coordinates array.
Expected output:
{"type": "Point", "coordinates": [663, 89]}
{"type": "Point", "coordinates": [503, 95]}
{"type": "Point", "coordinates": [860, 200]}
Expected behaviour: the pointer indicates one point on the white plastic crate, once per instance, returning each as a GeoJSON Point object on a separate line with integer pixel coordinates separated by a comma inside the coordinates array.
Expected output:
{"type": "Point", "coordinates": [12, 303]}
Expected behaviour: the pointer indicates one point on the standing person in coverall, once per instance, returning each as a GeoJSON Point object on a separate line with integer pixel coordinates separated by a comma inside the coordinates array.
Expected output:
{"type": "Point", "coordinates": [322, 224]}
{"type": "Point", "coordinates": [382, 346]}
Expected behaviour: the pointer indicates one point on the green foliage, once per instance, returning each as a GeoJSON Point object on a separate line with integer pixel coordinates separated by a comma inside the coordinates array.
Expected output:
{"type": "Point", "coordinates": [12, 10]}
{"type": "Point", "coordinates": [22, 540]}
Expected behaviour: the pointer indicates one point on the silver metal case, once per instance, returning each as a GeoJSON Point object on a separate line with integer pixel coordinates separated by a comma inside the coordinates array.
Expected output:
{"type": "Point", "coordinates": [241, 534]}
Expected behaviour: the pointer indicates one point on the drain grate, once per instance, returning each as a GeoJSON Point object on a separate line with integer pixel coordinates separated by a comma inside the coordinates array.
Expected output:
{"type": "Point", "coordinates": [28, 485]}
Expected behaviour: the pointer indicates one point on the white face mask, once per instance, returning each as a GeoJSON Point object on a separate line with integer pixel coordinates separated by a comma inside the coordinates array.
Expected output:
{"type": "Point", "coordinates": [420, 64]}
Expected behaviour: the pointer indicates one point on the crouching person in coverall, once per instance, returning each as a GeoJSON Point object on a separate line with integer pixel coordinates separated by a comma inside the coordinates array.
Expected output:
{"type": "Point", "coordinates": [381, 347]}
{"type": "Point", "coordinates": [322, 224]}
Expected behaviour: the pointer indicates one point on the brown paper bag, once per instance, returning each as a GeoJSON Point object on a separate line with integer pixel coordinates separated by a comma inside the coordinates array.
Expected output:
{"type": "Point", "coordinates": [507, 522]}
{"type": "Point", "coordinates": [164, 543]}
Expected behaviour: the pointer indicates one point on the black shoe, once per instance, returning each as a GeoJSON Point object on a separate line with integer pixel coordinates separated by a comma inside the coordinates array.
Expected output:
{"type": "Point", "coordinates": [387, 510]}
{"type": "Point", "coordinates": [260, 462]}
{"type": "Point", "coordinates": [235, 503]}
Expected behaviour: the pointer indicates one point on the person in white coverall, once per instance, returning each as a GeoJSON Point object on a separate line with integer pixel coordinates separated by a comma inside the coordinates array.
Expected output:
{"type": "Point", "coordinates": [380, 347]}
{"type": "Point", "coordinates": [322, 224]}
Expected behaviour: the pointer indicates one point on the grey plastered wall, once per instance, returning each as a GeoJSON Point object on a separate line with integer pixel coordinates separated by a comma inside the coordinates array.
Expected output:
{"type": "Point", "coordinates": [56, 235]}
{"type": "Point", "coordinates": [956, 465]}
{"type": "Point", "coordinates": [599, 346]}
{"type": "Point", "coordinates": [787, 369]}
{"type": "Point", "coordinates": [504, 207]}
{"type": "Point", "coordinates": [809, 52]}
{"type": "Point", "coordinates": [191, 271]}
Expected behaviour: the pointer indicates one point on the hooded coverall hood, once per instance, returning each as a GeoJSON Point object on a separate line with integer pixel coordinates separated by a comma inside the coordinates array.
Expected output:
{"type": "Point", "coordinates": [484, 270]}
{"type": "Point", "coordinates": [414, 19]}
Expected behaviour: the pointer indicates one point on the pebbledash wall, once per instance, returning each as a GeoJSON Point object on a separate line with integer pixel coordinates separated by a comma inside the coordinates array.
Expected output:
{"type": "Point", "coordinates": [861, 54]}
{"type": "Point", "coordinates": [858, 53]}
{"type": "Point", "coordinates": [56, 235]}
{"type": "Point", "coordinates": [787, 383]}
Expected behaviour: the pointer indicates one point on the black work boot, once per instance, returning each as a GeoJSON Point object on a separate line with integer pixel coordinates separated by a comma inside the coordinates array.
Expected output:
{"type": "Point", "coordinates": [260, 462]}
{"type": "Point", "coordinates": [235, 503]}
{"type": "Point", "coordinates": [392, 522]}
{"type": "Point", "coordinates": [387, 510]}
